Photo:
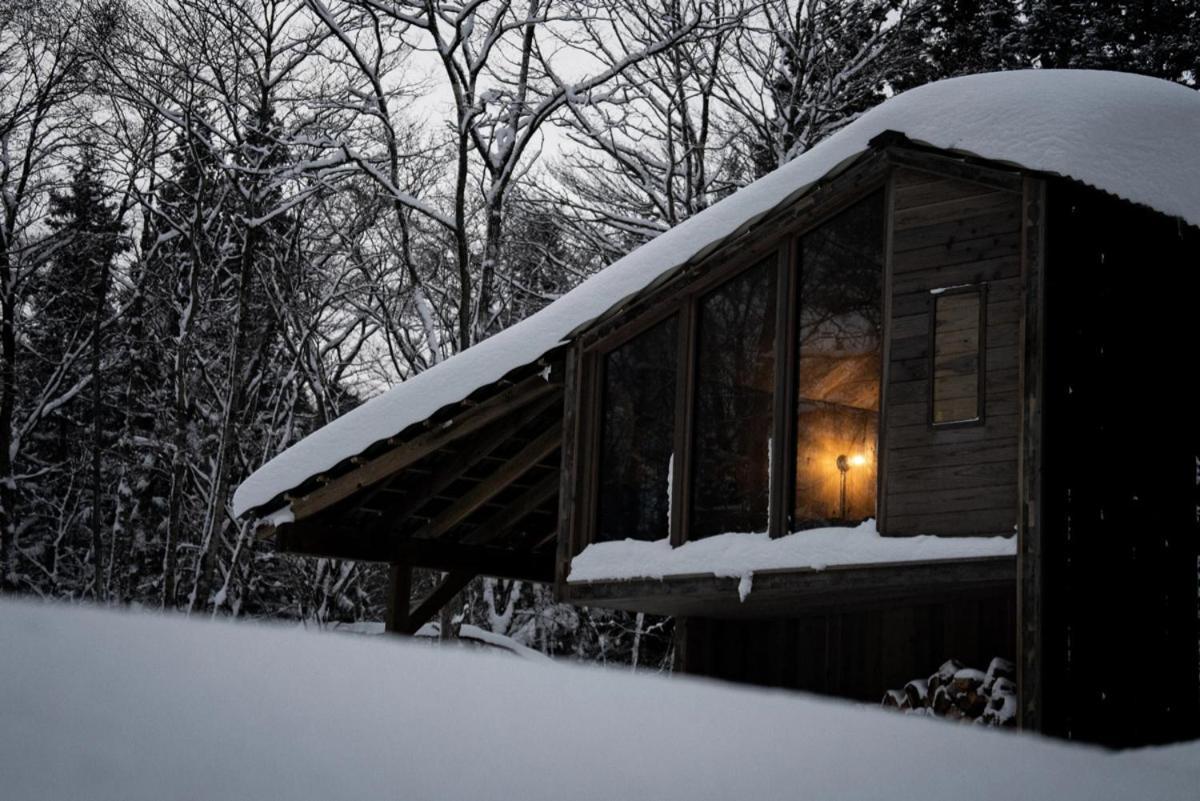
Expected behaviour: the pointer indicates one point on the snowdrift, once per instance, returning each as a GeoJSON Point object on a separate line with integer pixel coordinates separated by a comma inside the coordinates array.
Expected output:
{"type": "Point", "coordinates": [107, 705]}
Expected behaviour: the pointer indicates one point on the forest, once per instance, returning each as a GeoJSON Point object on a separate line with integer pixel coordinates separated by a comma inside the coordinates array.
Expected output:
{"type": "Point", "coordinates": [227, 222]}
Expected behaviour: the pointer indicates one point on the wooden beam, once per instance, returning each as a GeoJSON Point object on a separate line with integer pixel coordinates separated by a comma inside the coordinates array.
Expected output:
{"type": "Point", "coordinates": [785, 593]}
{"type": "Point", "coordinates": [454, 467]}
{"type": "Point", "coordinates": [333, 540]}
{"type": "Point", "coordinates": [1030, 552]}
{"type": "Point", "coordinates": [484, 560]}
{"type": "Point", "coordinates": [903, 152]}
{"type": "Point", "coordinates": [453, 583]}
{"type": "Point", "coordinates": [398, 598]}
{"type": "Point", "coordinates": [537, 450]}
{"type": "Point", "coordinates": [317, 537]}
{"type": "Point", "coordinates": [404, 454]}
{"type": "Point", "coordinates": [310, 538]}
{"type": "Point", "coordinates": [507, 518]}
{"type": "Point", "coordinates": [568, 472]}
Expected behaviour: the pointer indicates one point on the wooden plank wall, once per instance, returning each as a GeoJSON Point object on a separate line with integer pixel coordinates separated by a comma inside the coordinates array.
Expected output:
{"type": "Point", "coordinates": [954, 480]}
{"type": "Point", "coordinates": [856, 654]}
{"type": "Point", "coordinates": [1121, 470]}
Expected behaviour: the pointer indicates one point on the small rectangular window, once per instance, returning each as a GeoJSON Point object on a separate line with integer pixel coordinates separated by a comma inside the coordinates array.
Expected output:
{"type": "Point", "coordinates": [957, 355]}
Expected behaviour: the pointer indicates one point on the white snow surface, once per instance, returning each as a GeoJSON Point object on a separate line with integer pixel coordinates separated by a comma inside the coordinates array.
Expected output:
{"type": "Point", "coordinates": [121, 706]}
{"type": "Point", "coordinates": [739, 555]}
{"type": "Point", "coordinates": [474, 635]}
{"type": "Point", "coordinates": [1129, 135]}
{"type": "Point", "coordinates": [127, 706]}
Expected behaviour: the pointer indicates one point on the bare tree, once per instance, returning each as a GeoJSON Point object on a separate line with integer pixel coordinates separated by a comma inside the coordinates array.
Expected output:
{"type": "Point", "coordinates": [804, 68]}
{"type": "Point", "coordinates": [228, 85]}
{"type": "Point", "coordinates": [43, 76]}
{"type": "Point", "coordinates": [650, 149]}
{"type": "Point", "coordinates": [496, 62]}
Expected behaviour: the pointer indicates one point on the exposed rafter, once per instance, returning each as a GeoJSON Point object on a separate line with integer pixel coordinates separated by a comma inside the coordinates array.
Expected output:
{"type": "Point", "coordinates": [406, 453]}
{"type": "Point", "coordinates": [545, 444]}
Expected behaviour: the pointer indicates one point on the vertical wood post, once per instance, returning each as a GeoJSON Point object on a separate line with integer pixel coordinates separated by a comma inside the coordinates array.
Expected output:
{"type": "Point", "coordinates": [679, 638]}
{"type": "Point", "coordinates": [568, 515]}
{"type": "Point", "coordinates": [885, 352]}
{"type": "Point", "coordinates": [685, 387]}
{"type": "Point", "coordinates": [399, 598]}
{"type": "Point", "coordinates": [783, 432]}
{"type": "Point", "coordinates": [1030, 658]}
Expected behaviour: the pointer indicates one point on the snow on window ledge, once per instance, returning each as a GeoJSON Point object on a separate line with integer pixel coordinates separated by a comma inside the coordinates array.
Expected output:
{"type": "Point", "coordinates": [740, 555]}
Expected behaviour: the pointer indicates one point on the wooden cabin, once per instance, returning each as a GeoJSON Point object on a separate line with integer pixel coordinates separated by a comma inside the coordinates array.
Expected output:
{"type": "Point", "coordinates": [922, 393]}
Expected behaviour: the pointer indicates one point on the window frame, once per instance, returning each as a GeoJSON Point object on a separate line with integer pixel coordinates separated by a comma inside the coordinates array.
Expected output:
{"type": "Point", "coordinates": [682, 298]}
{"type": "Point", "coordinates": [980, 289]}
{"type": "Point", "coordinates": [696, 298]}
{"type": "Point", "coordinates": [784, 503]}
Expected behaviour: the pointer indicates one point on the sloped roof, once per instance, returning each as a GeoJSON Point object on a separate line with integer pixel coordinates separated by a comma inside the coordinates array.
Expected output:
{"type": "Point", "coordinates": [1129, 135]}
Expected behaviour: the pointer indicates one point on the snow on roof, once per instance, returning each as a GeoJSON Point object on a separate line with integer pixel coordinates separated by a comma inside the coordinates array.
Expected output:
{"type": "Point", "coordinates": [742, 555]}
{"type": "Point", "coordinates": [1129, 135]}
{"type": "Point", "coordinates": [102, 705]}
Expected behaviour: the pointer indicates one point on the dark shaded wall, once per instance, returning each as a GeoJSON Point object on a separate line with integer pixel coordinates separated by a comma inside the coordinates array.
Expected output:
{"type": "Point", "coordinates": [1121, 454]}
{"type": "Point", "coordinates": [857, 654]}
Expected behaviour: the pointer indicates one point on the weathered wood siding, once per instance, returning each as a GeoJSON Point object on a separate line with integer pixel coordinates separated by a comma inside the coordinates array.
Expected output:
{"type": "Point", "coordinates": [852, 653]}
{"type": "Point", "coordinates": [962, 479]}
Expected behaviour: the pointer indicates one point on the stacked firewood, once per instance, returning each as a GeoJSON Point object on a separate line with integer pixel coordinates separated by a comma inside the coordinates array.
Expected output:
{"type": "Point", "coordinates": [957, 692]}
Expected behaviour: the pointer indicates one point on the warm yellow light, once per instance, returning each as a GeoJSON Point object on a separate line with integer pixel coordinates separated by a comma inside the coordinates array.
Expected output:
{"type": "Point", "coordinates": [858, 460]}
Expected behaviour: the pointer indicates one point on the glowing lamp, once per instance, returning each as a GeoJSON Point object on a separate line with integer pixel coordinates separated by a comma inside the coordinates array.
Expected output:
{"type": "Point", "coordinates": [844, 463]}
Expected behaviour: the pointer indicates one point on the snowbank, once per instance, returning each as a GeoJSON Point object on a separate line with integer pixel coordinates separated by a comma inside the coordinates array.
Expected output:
{"type": "Point", "coordinates": [104, 705]}
{"type": "Point", "coordinates": [1129, 135]}
{"type": "Point", "coordinates": [477, 637]}
{"type": "Point", "coordinates": [742, 555]}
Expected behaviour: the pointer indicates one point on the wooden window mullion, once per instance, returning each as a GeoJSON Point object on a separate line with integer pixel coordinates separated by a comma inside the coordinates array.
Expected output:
{"type": "Point", "coordinates": [783, 447]}
{"type": "Point", "coordinates": [592, 389]}
{"type": "Point", "coordinates": [681, 488]}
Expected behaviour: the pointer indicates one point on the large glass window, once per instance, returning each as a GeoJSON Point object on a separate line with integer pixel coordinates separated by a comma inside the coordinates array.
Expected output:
{"type": "Point", "coordinates": [735, 377]}
{"type": "Point", "coordinates": [637, 435]}
{"type": "Point", "coordinates": [838, 368]}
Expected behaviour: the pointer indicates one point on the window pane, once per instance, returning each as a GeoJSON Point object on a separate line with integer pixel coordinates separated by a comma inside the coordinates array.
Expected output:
{"type": "Point", "coordinates": [838, 368]}
{"type": "Point", "coordinates": [956, 337]}
{"type": "Point", "coordinates": [637, 436]}
{"type": "Point", "coordinates": [735, 371]}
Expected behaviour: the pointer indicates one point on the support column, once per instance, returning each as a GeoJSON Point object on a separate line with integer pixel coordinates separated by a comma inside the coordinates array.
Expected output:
{"type": "Point", "coordinates": [1030, 509]}
{"type": "Point", "coordinates": [399, 598]}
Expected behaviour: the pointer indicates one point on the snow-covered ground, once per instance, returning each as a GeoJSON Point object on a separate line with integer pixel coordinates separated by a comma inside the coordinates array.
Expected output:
{"type": "Point", "coordinates": [107, 705]}
{"type": "Point", "coordinates": [468, 635]}
{"type": "Point", "coordinates": [742, 555]}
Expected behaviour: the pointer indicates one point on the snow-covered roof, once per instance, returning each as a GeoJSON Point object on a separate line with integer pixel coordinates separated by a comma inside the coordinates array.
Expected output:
{"type": "Point", "coordinates": [1129, 135]}
{"type": "Point", "coordinates": [101, 704]}
{"type": "Point", "coordinates": [741, 555]}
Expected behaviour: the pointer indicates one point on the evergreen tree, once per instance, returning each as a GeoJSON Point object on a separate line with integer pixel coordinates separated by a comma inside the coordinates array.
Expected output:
{"type": "Point", "coordinates": [964, 37]}
{"type": "Point", "coordinates": [1151, 37]}
{"type": "Point", "coordinates": [86, 236]}
{"type": "Point", "coordinates": [835, 60]}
